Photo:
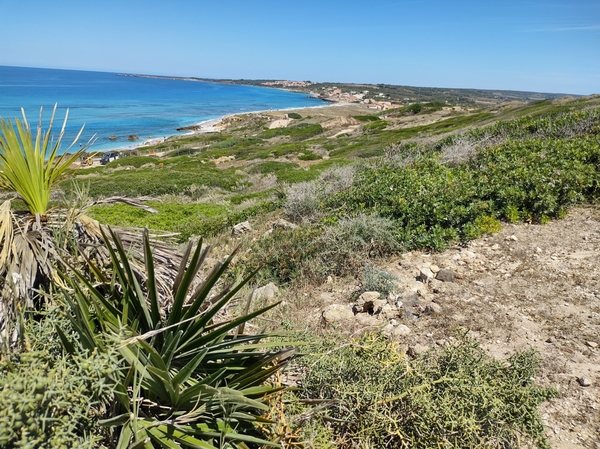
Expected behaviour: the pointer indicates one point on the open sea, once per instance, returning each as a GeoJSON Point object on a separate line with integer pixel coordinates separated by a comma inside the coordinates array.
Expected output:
{"type": "Point", "coordinates": [112, 105]}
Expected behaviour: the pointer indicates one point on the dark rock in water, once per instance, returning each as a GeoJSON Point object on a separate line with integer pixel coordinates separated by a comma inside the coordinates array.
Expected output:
{"type": "Point", "coordinates": [112, 138]}
{"type": "Point", "coordinates": [133, 137]}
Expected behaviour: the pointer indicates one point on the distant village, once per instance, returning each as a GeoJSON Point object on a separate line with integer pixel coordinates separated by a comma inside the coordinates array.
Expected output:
{"type": "Point", "coordinates": [335, 94]}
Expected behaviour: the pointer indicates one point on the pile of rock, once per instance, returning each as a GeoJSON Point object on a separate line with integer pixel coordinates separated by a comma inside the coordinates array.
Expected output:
{"type": "Point", "coordinates": [391, 314]}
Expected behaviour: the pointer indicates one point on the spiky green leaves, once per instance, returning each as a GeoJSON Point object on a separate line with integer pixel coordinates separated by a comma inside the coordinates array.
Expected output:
{"type": "Point", "coordinates": [188, 379]}
{"type": "Point", "coordinates": [31, 167]}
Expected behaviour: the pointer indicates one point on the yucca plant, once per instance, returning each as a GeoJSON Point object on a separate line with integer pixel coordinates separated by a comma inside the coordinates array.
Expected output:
{"type": "Point", "coordinates": [34, 242]}
{"type": "Point", "coordinates": [190, 377]}
{"type": "Point", "coordinates": [31, 168]}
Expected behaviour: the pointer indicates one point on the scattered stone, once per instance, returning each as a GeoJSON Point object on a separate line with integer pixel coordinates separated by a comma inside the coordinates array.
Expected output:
{"type": "Point", "coordinates": [512, 238]}
{"type": "Point", "coordinates": [269, 291]}
{"type": "Point", "coordinates": [387, 329]}
{"type": "Point", "coordinates": [495, 247]}
{"type": "Point", "coordinates": [425, 274]}
{"type": "Point", "coordinates": [433, 308]}
{"type": "Point", "coordinates": [434, 269]}
{"type": "Point", "coordinates": [241, 228]}
{"type": "Point", "coordinates": [388, 311]}
{"type": "Point", "coordinates": [133, 137]}
{"type": "Point", "coordinates": [584, 381]}
{"type": "Point", "coordinates": [329, 280]}
{"type": "Point", "coordinates": [365, 302]}
{"type": "Point", "coordinates": [400, 331]}
{"type": "Point", "coordinates": [417, 349]}
{"type": "Point", "coordinates": [379, 304]}
{"type": "Point", "coordinates": [364, 319]}
{"type": "Point", "coordinates": [283, 224]}
{"type": "Point", "coordinates": [337, 313]}
{"type": "Point", "coordinates": [592, 344]}
{"type": "Point", "coordinates": [445, 275]}
{"type": "Point", "coordinates": [550, 340]}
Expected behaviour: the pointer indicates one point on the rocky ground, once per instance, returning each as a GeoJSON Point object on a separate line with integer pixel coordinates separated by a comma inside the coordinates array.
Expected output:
{"type": "Point", "coordinates": [527, 286]}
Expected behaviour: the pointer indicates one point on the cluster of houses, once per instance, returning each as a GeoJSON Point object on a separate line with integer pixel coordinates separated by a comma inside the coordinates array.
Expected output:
{"type": "Point", "coordinates": [335, 94]}
{"type": "Point", "coordinates": [379, 101]}
{"type": "Point", "coordinates": [287, 84]}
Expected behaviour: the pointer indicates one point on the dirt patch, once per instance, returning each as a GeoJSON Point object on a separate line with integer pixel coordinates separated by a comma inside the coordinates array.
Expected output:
{"type": "Point", "coordinates": [529, 286]}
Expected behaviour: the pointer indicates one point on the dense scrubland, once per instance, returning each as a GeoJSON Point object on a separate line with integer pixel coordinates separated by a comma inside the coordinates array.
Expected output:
{"type": "Point", "coordinates": [115, 356]}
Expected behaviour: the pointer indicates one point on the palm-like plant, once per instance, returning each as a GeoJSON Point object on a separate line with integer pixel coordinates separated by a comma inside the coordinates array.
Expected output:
{"type": "Point", "coordinates": [190, 377]}
{"type": "Point", "coordinates": [33, 243]}
{"type": "Point", "coordinates": [31, 168]}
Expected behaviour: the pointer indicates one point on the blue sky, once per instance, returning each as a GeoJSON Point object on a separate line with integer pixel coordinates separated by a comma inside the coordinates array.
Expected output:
{"type": "Point", "coordinates": [532, 45]}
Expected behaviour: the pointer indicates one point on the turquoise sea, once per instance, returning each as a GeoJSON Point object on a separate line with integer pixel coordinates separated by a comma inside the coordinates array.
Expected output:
{"type": "Point", "coordinates": [112, 105]}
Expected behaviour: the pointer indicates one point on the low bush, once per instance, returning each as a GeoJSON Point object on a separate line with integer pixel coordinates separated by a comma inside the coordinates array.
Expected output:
{"type": "Point", "coordinates": [456, 397]}
{"type": "Point", "coordinates": [375, 280]}
{"type": "Point", "coordinates": [370, 235]}
{"type": "Point", "coordinates": [133, 161]}
{"type": "Point", "coordinates": [309, 156]}
{"type": "Point", "coordinates": [47, 400]}
{"type": "Point", "coordinates": [375, 126]}
{"type": "Point", "coordinates": [366, 118]}
{"type": "Point", "coordinates": [435, 204]}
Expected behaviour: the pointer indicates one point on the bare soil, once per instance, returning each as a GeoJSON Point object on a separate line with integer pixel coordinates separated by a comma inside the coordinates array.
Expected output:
{"type": "Point", "coordinates": [529, 286]}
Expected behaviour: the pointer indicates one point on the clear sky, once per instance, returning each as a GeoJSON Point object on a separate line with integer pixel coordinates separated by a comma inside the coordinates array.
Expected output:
{"type": "Point", "coordinates": [532, 45]}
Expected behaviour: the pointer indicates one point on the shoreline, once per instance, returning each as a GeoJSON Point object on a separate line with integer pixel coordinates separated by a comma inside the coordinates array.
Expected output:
{"type": "Point", "coordinates": [210, 125]}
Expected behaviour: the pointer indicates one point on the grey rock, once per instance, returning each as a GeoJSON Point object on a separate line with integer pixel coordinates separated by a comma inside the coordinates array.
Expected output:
{"type": "Point", "coordinates": [592, 344]}
{"type": "Point", "coordinates": [417, 349]}
{"type": "Point", "coordinates": [584, 381]}
{"type": "Point", "coordinates": [364, 319]}
{"type": "Point", "coordinates": [337, 313]}
{"type": "Point", "coordinates": [446, 275]}
{"type": "Point", "coordinates": [444, 287]}
{"type": "Point", "coordinates": [433, 309]}
{"type": "Point", "coordinates": [283, 224]}
{"type": "Point", "coordinates": [379, 304]}
{"type": "Point", "coordinates": [268, 291]}
{"type": "Point", "coordinates": [400, 331]}
{"type": "Point", "coordinates": [389, 312]}
{"type": "Point", "coordinates": [425, 274]}
{"type": "Point", "coordinates": [241, 228]}
{"type": "Point", "coordinates": [388, 329]}
{"type": "Point", "coordinates": [365, 302]}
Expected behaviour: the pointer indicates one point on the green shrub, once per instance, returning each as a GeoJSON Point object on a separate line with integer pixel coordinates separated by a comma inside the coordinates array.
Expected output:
{"type": "Point", "coordinates": [48, 400]}
{"type": "Point", "coordinates": [190, 378]}
{"type": "Point", "coordinates": [134, 161]}
{"type": "Point", "coordinates": [286, 256]}
{"type": "Point", "coordinates": [309, 156]}
{"type": "Point", "coordinates": [294, 115]}
{"type": "Point", "coordinates": [370, 235]}
{"type": "Point", "coordinates": [456, 397]}
{"type": "Point", "coordinates": [375, 126]}
{"type": "Point", "coordinates": [430, 203]}
{"type": "Point", "coordinates": [376, 280]}
{"type": "Point", "coordinates": [366, 118]}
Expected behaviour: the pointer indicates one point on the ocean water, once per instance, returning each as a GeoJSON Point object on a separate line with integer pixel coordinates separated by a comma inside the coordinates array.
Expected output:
{"type": "Point", "coordinates": [112, 105]}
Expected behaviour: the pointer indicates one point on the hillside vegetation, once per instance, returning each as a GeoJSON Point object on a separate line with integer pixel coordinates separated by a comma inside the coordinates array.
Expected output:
{"type": "Point", "coordinates": [329, 196]}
